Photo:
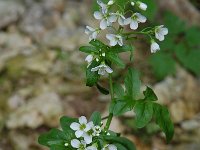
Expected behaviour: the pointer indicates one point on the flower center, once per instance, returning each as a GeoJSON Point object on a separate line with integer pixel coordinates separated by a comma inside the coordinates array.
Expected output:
{"type": "Point", "coordinates": [82, 126]}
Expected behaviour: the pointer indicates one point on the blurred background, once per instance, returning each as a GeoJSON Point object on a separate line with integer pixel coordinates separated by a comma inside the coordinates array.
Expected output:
{"type": "Point", "coordinates": [42, 72]}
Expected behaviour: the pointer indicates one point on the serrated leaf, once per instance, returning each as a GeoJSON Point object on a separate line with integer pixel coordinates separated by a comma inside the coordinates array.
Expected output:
{"type": "Point", "coordinates": [92, 77]}
{"type": "Point", "coordinates": [162, 64]}
{"type": "Point", "coordinates": [144, 113]}
{"type": "Point", "coordinates": [102, 89]}
{"type": "Point", "coordinates": [121, 49]}
{"type": "Point", "coordinates": [96, 118]}
{"type": "Point", "coordinates": [89, 49]}
{"type": "Point", "coordinates": [118, 90]}
{"type": "Point", "coordinates": [132, 83]}
{"type": "Point", "coordinates": [115, 59]}
{"type": "Point", "coordinates": [150, 95]}
{"type": "Point", "coordinates": [163, 119]}
{"type": "Point", "coordinates": [121, 140]}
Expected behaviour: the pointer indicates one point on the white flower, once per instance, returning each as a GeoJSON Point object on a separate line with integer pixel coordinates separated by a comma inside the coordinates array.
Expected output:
{"type": "Point", "coordinates": [160, 32]}
{"type": "Point", "coordinates": [135, 20]}
{"type": "Point", "coordinates": [102, 69]}
{"type": "Point", "coordinates": [132, 3]}
{"type": "Point", "coordinates": [88, 135]}
{"type": "Point", "coordinates": [93, 33]}
{"type": "Point", "coordinates": [106, 19]}
{"type": "Point", "coordinates": [97, 130]}
{"type": "Point", "coordinates": [81, 127]}
{"type": "Point", "coordinates": [115, 39]}
{"type": "Point", "coordinates": [80, 145]}
{"type": "Point", "coordinates": [118, 16]}
{"type": "Point", "coordinates": [104, 7]}
{"type": "Point", "coordinates": [109, 147]}
{"type": "Point", "coordinates": [142, 6]}
{"type": "Point", "coordinates": [154, 47]}
{"type": "Point", "coordinates": [89, 59]}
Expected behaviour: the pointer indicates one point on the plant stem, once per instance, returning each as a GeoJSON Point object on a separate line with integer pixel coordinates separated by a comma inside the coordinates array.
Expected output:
{"type": "Point", "coordinates": [112, 99]}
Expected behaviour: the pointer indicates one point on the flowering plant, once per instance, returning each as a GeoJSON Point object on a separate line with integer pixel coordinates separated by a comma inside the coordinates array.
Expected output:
{"type": "Point", "coordinates": [81, 134]}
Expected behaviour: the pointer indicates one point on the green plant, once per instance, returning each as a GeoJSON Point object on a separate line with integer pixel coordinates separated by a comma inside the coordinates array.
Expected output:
{"type": "Point", "coordinates": [93, 135]}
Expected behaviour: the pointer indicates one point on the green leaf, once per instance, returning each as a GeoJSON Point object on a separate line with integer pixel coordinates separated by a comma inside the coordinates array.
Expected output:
{"type": "Point", "coordinates": [102, 89]}
{"type": "Point", "coordinates": [96, 118]}
{"type": "Point", "coordinates": [189, 58]}
{"type": "Point", "coordinates": [92, 77]}
{"type": "Point", "coordinates": [89, 49]}
{"type": "Point", "coordinates": [115, 59]}
{"type": "Point", "coordinates": [119, 107]}
{"type": "Point", "coordinates": [54, 137]}
{"type": "Point", "coordinates": [65, 123]}
{"type": "Point", "coordinates": [119, 146]}
{"type": "Point", "coordinates": [120, 49]}
{"type": "Point", "coordinates": [132, 83]}
{"type": "Point", "coordinates": [144, 113]}
{"type": "Point", "coordinates": [193, 36]}
{"type": "Point", "coordinates": [150, 95]}
{"type": "Point", "coordinates": [121, 140]}
{"type": "Point", "coordinates": [163, 119]}
{"type": "Point", "coordinates": [98, 44]}
{"type": "Point", "coordinates": [162, 64]}
{"type": "Point", "coordinates": [118, 90]}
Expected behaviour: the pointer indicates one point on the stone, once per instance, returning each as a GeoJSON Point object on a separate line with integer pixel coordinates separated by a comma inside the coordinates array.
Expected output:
{"type": "Point", "coordinates": [10, 12]}
{"type": "Point", "coordinates": [44, 109]}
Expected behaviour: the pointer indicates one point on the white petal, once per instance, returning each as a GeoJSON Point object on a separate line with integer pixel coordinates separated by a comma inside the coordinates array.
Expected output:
{"type": "Point", "coordinates": [102, 71]}
{"type": "Point", "coordinates": [91, 147]}
{"type": "Point", "coordinates": [82, 120]}
{"type": "Point", "coordinates": [89, 126]}
{"type": "Point", "coordinates": [94, 35]}
{"type": "Point", "coordinates": [121, 21]}
{"type": "Point", "coordinates": [87, 138]}
{"type": "Point", "coordinates": [141, 18]}
{"type": "Point", "coordinates": [134, 24]}
{"type": "Point", "coordinates": [154, 47]}
{"type": "Point", "coordinates": [112, 147]}
{"type": "Point", "coordinates": [110, 36]}
{"type": "Point", "coordinates": [143, 6]}
{"type": "Point", "coordinates": [109, 70]}
{"type": "Point", "coordinates": [79, 133]}
{"type": "Point", "coordinates": [103, 24]}
{"type": "Point", "coordinates": [113, 42]}
{"type": "Point", "coordinates": [75, 126]}
{"type": "Point", "coordinates": [164, 31]}
{"type": "Point", "coordinates": [98, 15]}
{"type": "Point", "coordinates": [75, 143]}
{"type": "Point", "coordinates": [127, 21]}
{"type": "Point", "coordinates": [112, 18]}
{"type": "Point", "coordinates": [160, 37]}
{"type": "Point", "coordinates": [89, 58]}
{"type": "Point", "coordinates": [95, 69]}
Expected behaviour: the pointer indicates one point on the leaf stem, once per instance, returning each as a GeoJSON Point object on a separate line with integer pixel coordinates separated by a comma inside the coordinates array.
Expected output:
{"type": "Point", "coordinates": [112, 99]}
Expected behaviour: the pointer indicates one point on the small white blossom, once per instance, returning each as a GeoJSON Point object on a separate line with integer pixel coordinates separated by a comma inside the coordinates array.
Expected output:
{"type": "Point", "coordinates": [154, 47]}
{"type": "Point", "coordinates": [80, 145]}
{"type": "Point", "coordinates": [81, 127]}
{"type": "Point", "coordinates": [119, 17]}
{"type": "Point", "coordinates": [109, 147]}
{"type": "Point", "coordinates": [88, 135]}
{"type": "Point", "coordinates": [93, 147]}
{"type": "Point", "coordinates": [104, 7]}
{"type": "Point", "coordinates": [97, 130]}
{"type": "Point", "coordinates": [142, 6]}
{"type": "Point", "coordinates": [93, 33]}
{"type": "Point", "coordinates": [66, 144]}
{"type": "Point", "coordinates": [160, 32]}
{"type": "Point", "coordinates": [89, 59]}
{"type": "Point", "coordinates": [102, 69]}
{"type": "Point", "coordinates": [115, 39]}
{"type": "Point", "coordinates": [133, 3]}
{"type": "Point", "coordinates": [106, 19]}
{"type": "Point", "coordinates": [135, 19]}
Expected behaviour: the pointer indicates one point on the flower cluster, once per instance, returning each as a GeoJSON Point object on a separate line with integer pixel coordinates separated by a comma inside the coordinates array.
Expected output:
{"type": "Point", "coordinates": [85, 132]}
{"type": "Point", "coordinates": [118, 36]}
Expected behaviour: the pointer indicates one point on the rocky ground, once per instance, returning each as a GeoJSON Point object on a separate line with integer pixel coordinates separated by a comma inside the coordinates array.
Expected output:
{"type": "Point", "coordinates": [42, 78]}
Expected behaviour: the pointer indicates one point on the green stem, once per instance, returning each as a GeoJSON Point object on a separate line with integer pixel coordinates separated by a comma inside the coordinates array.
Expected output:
{"type": "Point", "coordinates": [112, 99]}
